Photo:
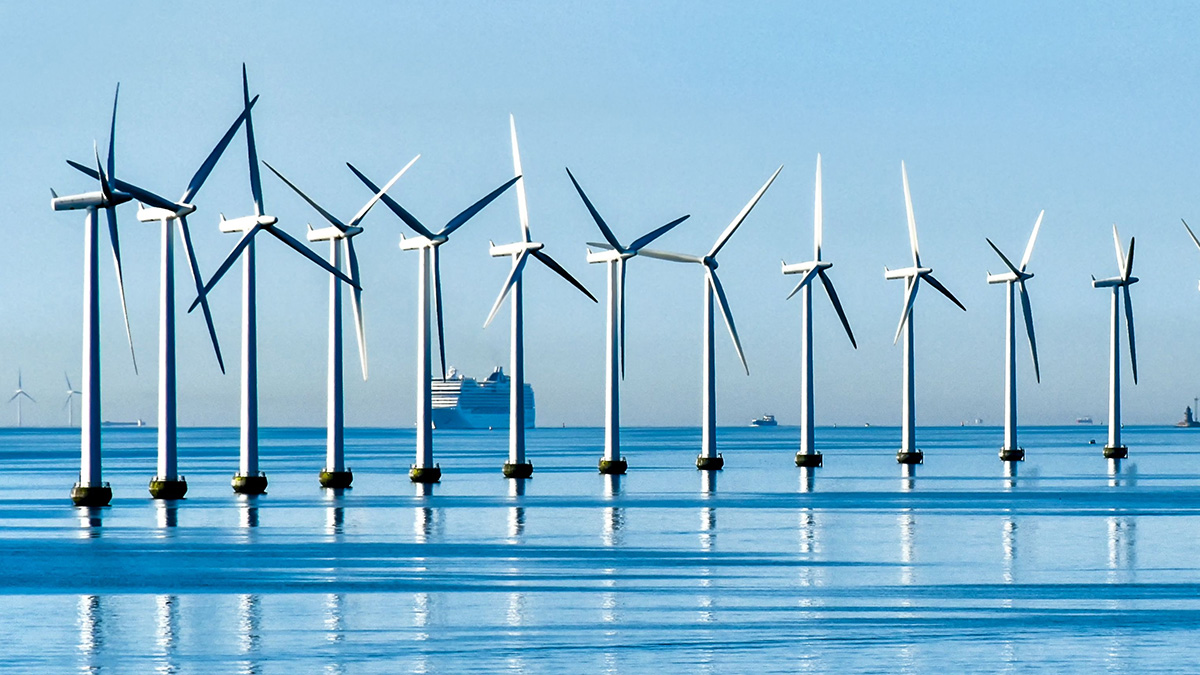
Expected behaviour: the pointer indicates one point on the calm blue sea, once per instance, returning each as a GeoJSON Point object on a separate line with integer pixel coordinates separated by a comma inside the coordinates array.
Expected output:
{"type": "Point", "coordinates": [1065, 570]}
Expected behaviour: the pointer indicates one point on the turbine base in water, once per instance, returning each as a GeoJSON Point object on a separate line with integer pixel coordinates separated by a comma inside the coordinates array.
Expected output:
{"type": "Point", "coordinates": [809, 460]}
{"type": "Point", "coordinates": [613, 467]}
{"type": "Point", "coordinates": [1119, 452]}
{"type": "Point", "coordinates": [335, 479]}
{"type": "Point", "coordinates": [710, 463]}
{"type": "Point", "coordinates": [524, 470]}
{"type": "Point", "coordinates": [425, 474]}
{"type": "Point", "coordinates": [91, 495]}
{"type": "Point", "coordinates": [1012, 454]}
{"type": "Point", "coordinates": [250, 485]}
{"type": "Point", "coordinates": [913, 457]}
{"type": "Point", "coordinates": [162, 488]}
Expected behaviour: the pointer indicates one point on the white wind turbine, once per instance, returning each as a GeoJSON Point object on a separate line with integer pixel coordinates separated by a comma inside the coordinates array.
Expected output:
{"type": "Point", "coordinates": [909, 456]}
{"type": "Point", "coordinates": [71, 394]}
{"type": "Point", "coordinates": [429, 296]}
{"type": "Point", "coordinates": [615, 255]}
{"type": "Point", "coordinates": [20, 393]}
{"type": "Point", "coordinates": [341, 238]}
{"type": "Point", "coordinates": [1114, 451]}
{"type": "Point", "coordinates": [516, 466]}
{"type": "Point", "coordinates": [1014, 280]}
{"type": "Point", "coordinates": [709, 459]}
{"type": "Point", "coordinates": [248, 479]}
{"type": "Point", "coordinates": [167, 483]}
{"type": "Point", "coordinates": [808, 457]}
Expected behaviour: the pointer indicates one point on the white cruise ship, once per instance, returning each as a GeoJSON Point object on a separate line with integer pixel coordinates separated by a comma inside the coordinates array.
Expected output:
{"type": "Point", "coordinates": [464, 403]}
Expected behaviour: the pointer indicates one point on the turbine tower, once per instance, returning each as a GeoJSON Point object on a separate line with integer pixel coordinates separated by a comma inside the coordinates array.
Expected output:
{"type": "Point", "coordinates": [167, 483]}
{"type": "Point", "coordinates": [429, 295]}
{"type": "Point", "coordinates": [20, 393]}
{"type": "Point", "coordinates": [71, 394]}
{"type": "Point", "coordinates": [615, 255]}
{"type": "Point", "coordinates": [340, 237]}
{"type": "Point", "coordinates": [1114, 451]}
{"type": "Point", "coordinates": [909, 456]}
{"type": "Point", "coordinates": [808, 458]}
{"type": "Point", "coordinates": [91, 490]}
{"type": "Point", "coordinates": [516, 466]}
{"type": "Point", "coordinates": [1014, 280]}
{"type": "Point", "coordinates": [709, 459]}
{"type": "Point", "coordinates": [248, 479]}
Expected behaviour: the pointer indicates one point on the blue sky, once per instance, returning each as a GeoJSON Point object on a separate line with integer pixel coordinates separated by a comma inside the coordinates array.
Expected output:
{"type": "Point", "coordinates": [1086, 111]}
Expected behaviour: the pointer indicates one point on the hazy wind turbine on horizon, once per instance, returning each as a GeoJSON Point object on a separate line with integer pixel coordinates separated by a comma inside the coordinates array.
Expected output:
{"type": "Point", "coordinates": [709, 459]}
{"type": "Point", "coordinates": [1114, 451]}
{"type": "Point", "coordinates": [909, 456]}
{"type": "Point", "coordinates": [20, 393]}
{"type": "Point", "coordinates": [71, 394]}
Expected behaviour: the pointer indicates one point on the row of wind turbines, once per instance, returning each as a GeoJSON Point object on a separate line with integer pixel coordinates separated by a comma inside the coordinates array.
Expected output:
{"type": "Point", "coordinates": [343, 268]}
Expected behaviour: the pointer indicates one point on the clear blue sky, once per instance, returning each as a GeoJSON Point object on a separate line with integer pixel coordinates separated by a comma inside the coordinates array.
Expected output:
{"type": "Point", "coordinates": [1088, 111]}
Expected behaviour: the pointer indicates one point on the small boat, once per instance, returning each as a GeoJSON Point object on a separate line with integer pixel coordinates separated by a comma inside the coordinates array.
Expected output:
{"type": "Point", "coordinates": [764, 421]}
{"type": "Point", "coordinates": [1084, 420]}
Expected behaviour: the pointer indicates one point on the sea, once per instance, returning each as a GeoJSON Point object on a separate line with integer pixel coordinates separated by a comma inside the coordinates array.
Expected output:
{"type": "Point", "coordinates": [754, 569]}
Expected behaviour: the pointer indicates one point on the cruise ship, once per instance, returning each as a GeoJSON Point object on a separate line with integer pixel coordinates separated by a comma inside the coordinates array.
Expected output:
{"type": "Point", "coordinates": [461, 402]}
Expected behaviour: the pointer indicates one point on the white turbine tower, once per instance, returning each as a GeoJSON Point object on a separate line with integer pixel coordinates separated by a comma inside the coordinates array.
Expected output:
{"type": "Point", "coordinates": [20, 393]}
{"type": "Point", "coordinates": [167, 483]}
{"type": "Point", "coordinates": [1114, 451]}
{"type": "Point", "coordinates": [248, 479]}
{"type": "Point", "coordinates": [807, 457]}
{"type": "Point", "coordinates": [615, 256]}
{"type": "Point", "coordinates": [429, 296]}
{"type": "Point", "coordinates": [516, 466]}
{"type": "Point", "coordinates": [1014, 280]}
{"type": "Point", "coordinates": [91, 490]}
{"type": "Point", "coordinates": [71, 394]}
{"type": "Point", "coordinates": [909, 456]}
{"type": "Point", "coordinates": [341, 238]}
{"type": "Point", "coordinates": [709, 459]}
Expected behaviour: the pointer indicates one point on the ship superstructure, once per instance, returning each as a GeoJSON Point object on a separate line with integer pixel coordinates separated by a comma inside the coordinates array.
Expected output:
{"type": "Point", "coordinates": [461, 402]}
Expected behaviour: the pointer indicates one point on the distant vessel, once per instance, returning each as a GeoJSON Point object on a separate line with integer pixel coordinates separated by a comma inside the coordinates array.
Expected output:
{"type": "Point", "coordinates": [1083, 420]}
{"type": "Point", "coordinates": [110, 423]}
{"type": "Point", "coordinates": [764, 421]}
{"type": "Point", "coordinates": [1188, 420]}
{"type": "Point", "coordinates": [461, 402]}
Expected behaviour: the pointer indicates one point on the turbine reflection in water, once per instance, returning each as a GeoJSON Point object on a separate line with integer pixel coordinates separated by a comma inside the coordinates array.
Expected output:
{"type": "Point", "coordinates": [335, 513]}
{"type": "Point", "coordinates": [166, 633]}
{"type": "Point", "coordinates": [249, 627]}
{"type": "Point", "coordinates": [89, 521]}
{"type": "Point", "coordinates": [91, 633]}
{"type": "Point", "coordinates": [166, 516]}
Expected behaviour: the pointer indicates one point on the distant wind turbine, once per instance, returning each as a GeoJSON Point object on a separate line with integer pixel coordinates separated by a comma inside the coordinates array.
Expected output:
{"type": "Point", "coordinates": [20, 393]}
{"type": "Point", "coordinates": [516, 466]}
{"type": "Point", "coordinates": [909, 456]}
{"type": "Point", "coordinates": [429, 296]}
{"type": "Point", "coordinates": [1119, 284]}
{"type": "Point", "coordinates": [709, 459]}
{"type": "Point", "coordinates": [71, 394]}
{"type": "Point", "coordinates": [1014, 280]}
{"type": "Point", "coordinates": [808, 457]}
{"type": "Point", "coordinates": [614, 255]}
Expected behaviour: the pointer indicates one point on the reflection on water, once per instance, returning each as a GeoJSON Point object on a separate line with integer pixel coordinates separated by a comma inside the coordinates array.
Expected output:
{"type": "Point", "coordinates": [166, 632]}
{"type": "Point", "coordinates": [166, 515]}
{"type": "Point", "coordinates": [908, 525]}
{"type": "Point", "coordinates": [908, 482]}
{"type": "Point", "coordinates": [516, 512]}
{"type": "Point", "coordinates": [247, 511]}
{"type": "Point", "coordinates": [1008, 540]}
{"type": "Point", "coordinates": [422, 607]}
{"type": "Point", "coordinates": [91, 633]}
{"type": "Point", "coordinates": [335, 630]}
{"type": "Point", "coordinates": [1122, 551]}
{"type": "Point", "coordinates": [614, 516]}
{"type": "Point", "coordinates": [335, 512]}
{"type": "Point", "coordinates": [89, 521]}
{"type": "Point", "coordinates": [808, 479]}
{"type": "Point", "coordinates": [249, 633]}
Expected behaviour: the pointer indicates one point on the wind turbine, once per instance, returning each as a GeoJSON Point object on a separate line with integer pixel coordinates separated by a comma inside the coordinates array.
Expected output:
{"type": "Point", "coordinates": [709, 459]}
{"type": "Point", "coordinates": [808, 457]}
{"type": "Point", "coordinates": [340, 237]}
{"type": "Point", "coordinates": [614, 255]}
{"type": "Point", "coordinates": [1014, 279]}
{"type": "Point", "coordinates": [429, 293]}
{"type": "Point", "coordinates": [516, 466]}
{"type": "Point", "coordinates": [248, 479]}
{"type": "Point", "coordinates": [909, 456]}
{"type": "Point", "coordinates": [71, 394]}
{"type": "Point", "coordinates": [167, 483]}
{"type": "Point", "coordinates": [20, 393]}
{"type": "Point", "coordinates": [91, 490]}
{"type": "Point", "coordinates": [1120, 284]}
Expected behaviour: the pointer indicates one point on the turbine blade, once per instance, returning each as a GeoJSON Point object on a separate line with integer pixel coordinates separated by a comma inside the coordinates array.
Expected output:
{"type": "Point", "coordinates": [837, 306]}
{"type": "Point", "coordinates": [651, 236]}
{"type": "Point", "coordinates": [29, 397]}
{"type": "Point", "coordinates": [251, 150]}
{"type": "Point", "coordinates": [14, 396]}
{"type": "Point", "coordinates": [471, 210]}
{"type": "Point", "coordinates": [723, 303]}
{"type": "Point", "coordinates": [111, 212]}
{"type": "Point", "coordinates": [741, 216]}
{"type": "Point", "coordinates": [105, 188]}
{"type": "Point", "coordinates": [943, 290]}
{"type": "Point", "coordinates": [211, 161]}
{"type": "Point", "coordinates": [356, 304]}
{"type": "Point", "coordinates": [795, 290]}
{"type": "Point", "coordinates": [522, 207]}
{"type": "Point", "coordinates": [552, 264]}
{"type": "Point", "coordinates": [1193, 234]}
{"type": "Point", "coordinates": [437, 308]}
{"type": "Point", "coordinates": [198, 280]}
{"type": "Point", "coordinates": [362, 213]}
{"type": "Point", "coordinates": [818, 215]}
{"type": "Point", "coordinates": [67, 402]}
{"type": "Point", "coordinates": [672, 257]}
{"type": "Point", "coordinates": [68, 379]}
{"type": "Point", "coordinates": [513, 274]}
{"type": "Point", "coordinates": [142, 195]}
{"type": "Point", "coordinates": [1007, 262]}
{"type": "Point", "coordinates": [112, 135]}
{"type": "Point", "coordinates": [1037, 371]}
{"type": "Point", "coordinates": [224, 267]}
{"type": "Point", "coordinates": [1129, 327]}
{"type": "Point", "coordinates": [807, 278]}
{"type": "Point", "coordinates": [310, 254]}
{"type": "Point", "coordinates": [604, 229]}
{"type": "Point", "coordinates": [910, 296]}
{"type": "Point", "coordinates": [1120, 253]}
{"type": "Point", "coordinates": [912, 220]}
{"type": "Point", "coordinates": [408, 218]}
{"type": "Point", "coordinates": [1129, 260]}
{"type": "Point", "coordinates": [325, 214]}
{"type": "Point", "coordinates": [1032, 238]}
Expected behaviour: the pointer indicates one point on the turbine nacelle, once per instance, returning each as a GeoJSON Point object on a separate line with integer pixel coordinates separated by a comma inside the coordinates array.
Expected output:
{"type": "Point", "coordinates": [89, 200]}
{"type": "Point", "coordinates": [154, 214]}
{"type": "Point", "coordinates": [514, 248]}
{"type": "Point", "coordinates": [329, 233]}
{"type": "Point", "coordinates": [418, 242]}
{"type": "Point", "coordinates": [1113, 282]}
{"type": "Point", "coordinates": [246, 223]}
{"type": "Point", "coordinates": [607, 256]}
{"type": "Point", "coordinates": [1007, 277]}
{"type": "Point", "coordinates": [906, 272]}
{"type": "Point", "coordinates": [805, 267]}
